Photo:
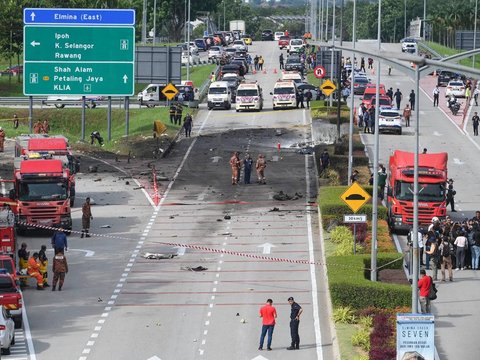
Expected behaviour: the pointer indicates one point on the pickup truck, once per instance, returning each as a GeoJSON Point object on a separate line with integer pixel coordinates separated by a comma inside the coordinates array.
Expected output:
{"type": "Point", "coordinates": [11, 298]}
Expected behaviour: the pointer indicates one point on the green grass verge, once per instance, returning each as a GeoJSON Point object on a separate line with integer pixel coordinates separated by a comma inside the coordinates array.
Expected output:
{"type": "Point", "coordinates": [344, 335]}
{"type": "Point", "coordinates": [447, 51]}
{"type": "Point", "coordinates": [67, 122]}
{"type": "Point", "coordinates": [11, 85]}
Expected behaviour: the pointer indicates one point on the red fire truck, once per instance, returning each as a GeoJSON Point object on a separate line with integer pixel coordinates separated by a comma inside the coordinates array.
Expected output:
{"type": "Point", "coordinates": [432, 179]}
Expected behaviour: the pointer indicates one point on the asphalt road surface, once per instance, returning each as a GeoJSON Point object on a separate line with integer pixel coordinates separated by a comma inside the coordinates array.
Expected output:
{"type": "Point", "coordinates": [118, 305]}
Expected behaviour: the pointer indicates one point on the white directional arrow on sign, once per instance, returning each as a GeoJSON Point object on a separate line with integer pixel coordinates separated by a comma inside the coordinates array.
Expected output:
{"type": "Point", "coordinates": [32, 15]}
{"type": "Point", "coordinates": [458, 161]}
{"type": "Point", "coordinates": [267, 247]}
{"type": "Point", "coordinates": [34, 43]}
{"type": "Point", "coordinates": [125, 78]}
{"type": "Point", "coordinates": [215, 158]}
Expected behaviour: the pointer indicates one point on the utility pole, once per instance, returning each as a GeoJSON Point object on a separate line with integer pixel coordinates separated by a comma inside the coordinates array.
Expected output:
{"type": "Point", "coordinates": [475, 32]}
{"type": "Point", "coordinates": [188, 42]}
{"type": "Point", "coordinates": [424, 18]}
{"type": "Point", "coordinates": [144, 22]}
{"type": "Point", "coordinates": [352, 96]}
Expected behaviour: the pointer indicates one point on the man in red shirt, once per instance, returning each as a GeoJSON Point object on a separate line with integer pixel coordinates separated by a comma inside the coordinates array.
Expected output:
{"type": "Point", "coordinates": [268, 314]}
{"type": "Point", "coordinates": [424, 285]}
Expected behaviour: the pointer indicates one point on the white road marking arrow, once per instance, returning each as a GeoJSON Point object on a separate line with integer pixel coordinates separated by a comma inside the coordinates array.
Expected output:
{"type": "Point", "coordinates": [215, 158]}
{"type": "Point", "coordinates": [125, 78]}
{"type": "Point", "coordinates": [259, 357]}
{"type": "Point", "coordinates": [267, 247]}
{"type": "Point", "coordinates": [275, 158]}
{"type": "Point", "coordinates": [181, 250]}
{"type": "Point", "coordinates": [32, 15]}
{"type": "Point", "coordinates": [154, 358]}
{"type": "Point", "coordinates": [457, 161]}
{"type": "Point", "coordinates": [88, 253]}
{"type": "Point", "coordinates": [436, 133]}
{"type": "Point", "coordinates": [34, 43]}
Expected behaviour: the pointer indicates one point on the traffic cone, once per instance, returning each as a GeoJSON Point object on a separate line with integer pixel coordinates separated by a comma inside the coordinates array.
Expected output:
{"type": "Point", "coordinates": [275, 71]}
{"type": "Point", "coordinates": [264, 71]}
{"type": "Point", "coordinates": [373, 71]}
{"type": "Point", "coordinates": [254, 71]}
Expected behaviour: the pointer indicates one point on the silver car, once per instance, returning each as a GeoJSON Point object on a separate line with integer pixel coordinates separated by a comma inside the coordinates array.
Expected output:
{"type": "Point", "coordinates": [215, 52]}
{"type": "Point", "coordinates": [7, 331]}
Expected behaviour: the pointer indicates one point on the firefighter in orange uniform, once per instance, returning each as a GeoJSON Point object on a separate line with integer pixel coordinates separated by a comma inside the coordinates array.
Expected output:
{"type": "Point", "coordinates": [45, 127]}
{"type": "Point", "coordinates": [37, 128]}
{"type": "Point", "coordinates": [260, 166]}
{"type": "Point", "coordinates": [2, 138]}
{"type": "Point", "coordinates": [34, 270]}
{"type": "Point", "coordinates": [235, 165]}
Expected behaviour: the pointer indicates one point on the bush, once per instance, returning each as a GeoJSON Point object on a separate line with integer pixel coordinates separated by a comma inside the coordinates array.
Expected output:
{"type": "Point", "coordinates": [366, 322]}
{"type": "Point", "coordinates": [344, 315]}
{"type": "Point", "coordinates": [350, 285]}
{"type": "Point", "coordinates": [382, 338]}
{"type": "Point", "coordinates": [362, 339]}
{"type": "Point", "coordinates": [341, 234]}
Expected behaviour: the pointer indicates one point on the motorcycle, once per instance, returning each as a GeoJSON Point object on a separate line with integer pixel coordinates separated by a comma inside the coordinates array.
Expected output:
{"type": "Point", "coordinates": [453, 105]}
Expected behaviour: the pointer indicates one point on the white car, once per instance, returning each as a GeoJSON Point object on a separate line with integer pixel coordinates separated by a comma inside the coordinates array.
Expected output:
{"type": "Point", "coordinates": [278, 34]}
{"type": "Point", "coordinates": [90, 100]}
{"type": "Point", "coordinates": [389, 120]}
{"type": "Point", "coordinates": [215, 52]}
{"type": "Point", "coordinates": [295, 45]}
{"type": "Point", "coordinates": [7, 331]}
{"type": "Point", "coordinates": [409, 45]}
{"type": "Point", "coordinates": [239, 45]}
{"type": "Point", "coordinates": [193, 47]}
{"type": "Point", "coordinates": [456, 88]}
{"type": "Point", "coordinates": [193, 59]}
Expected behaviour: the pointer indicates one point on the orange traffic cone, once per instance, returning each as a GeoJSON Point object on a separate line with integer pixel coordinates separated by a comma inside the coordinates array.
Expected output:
{"type": "Point", "coordinates": [275, 71]}
{"type": "Point", "coordinates": [264, 71]}
{"type": "Point", "coordinates": [254, 71]}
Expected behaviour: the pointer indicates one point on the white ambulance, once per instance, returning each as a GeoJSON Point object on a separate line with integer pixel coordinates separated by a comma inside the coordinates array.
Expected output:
{"type": "Point", "coordinates": [249, 96]}
{"type": "Point", "coordinates": [284, 94]}
{"type": "Point", "coordinates": [219, 95]}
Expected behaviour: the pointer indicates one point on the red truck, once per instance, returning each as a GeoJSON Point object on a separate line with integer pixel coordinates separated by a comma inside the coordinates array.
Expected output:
{"type": "Point", "coordinates": [432, 179]}
{"type": "Point", "coordinates": [11, 295]}
{"type": "Point", "coordinates": [42, 194]}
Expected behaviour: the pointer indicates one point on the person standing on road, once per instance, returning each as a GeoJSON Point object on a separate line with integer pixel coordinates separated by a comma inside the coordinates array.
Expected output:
{"type": "Point", "coordinates": [468, 95]}
{"type": "Point", "coordinates": [178, 114]}
{"type": "Point", "coordinates": [308, 97]}
{"type": "Point", "coordinates": [398, 97]}
{"type": "Point", "coordinates": [412, 99]}
{"type": "Point", "coordinates": [296, 311]}
{"type": "Point", "coordinates": [476, 247]}
{"type": "Point", "coordinates": [390, 94]}
{"type": "Point", "coordinates": [260, 166]}
{"type": "Point", "coordinates": [247, 168]}
{"type": "Point", "coordinates": [436, 95]}
{"type": "Point", "coordinates": [475, 122]}
{"type": "Point", "coordinates": [475, 95]}
{"type": "Point", "coordinates": [59, 241]}
{"type": "Point", "coordinates": [324, 160]}
{"type": "Point", "coordinates": [451, 196]}
{"type": "Point", "coordinates": [234, 166]}
{"type": "Point", "coordinates": [445, 258]}
{"type": "Point", "coordinates": [59, 268]}
{"type": "Point", "coordinates": [281, 60]}
{"type": "Point", "coordinates": [23, 256]}
{"type": "Point", "coordinates": [187, 125]}
{"type": "Point", "coordinates": [34, 270]}
{"type": "Point", "coordinates": [43, 260]}
{"type": "Point", "coordinates": [268, 313]}
{"type": "Point", "coordinates": [172, 111]}
{"type": "Point", "coordinates": [300, 99]}
{"type": "Point", "coordinates": [261, 60]}
{"type": "Point", "coordinates": [382, 181]}
{"type": "Point", "coordinates": [370, 63]}
{"type": "Point", "coordinates": [86, 217]}
{"type": "Point", "coordinates": [15, 121]}
{"type": "Point", "coordinates": [362, 64]}
{"type": "Point", "coordinates": [407, 114]}
{"type": "Point", "coordinates": [434, 256]}
{"type": "Point", "coordinates": [461, 243]}
{"type": "Point", "coordinates": [424, 285]}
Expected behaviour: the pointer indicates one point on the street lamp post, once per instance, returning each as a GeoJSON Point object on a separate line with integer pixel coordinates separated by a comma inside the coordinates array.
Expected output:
{"type": "Point", "coordinates": [424, 18]}
{"type": "Point", "coordinates": [154, 21]}
{"type": "Point", "coordinates": [352, 99]}
{"type": "Point", "coordinates": [144, 22]}
{"type": "Point", "coordinates": [405, 18]}
{"type": "Point", "coordinates": [188, 42]}
{"type": "Point", "coordinates": [475, 33]}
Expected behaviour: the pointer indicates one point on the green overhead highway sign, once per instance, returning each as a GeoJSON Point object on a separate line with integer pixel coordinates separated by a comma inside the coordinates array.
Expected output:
{"type": "Point", "coordinates": [79, 43]}
{"type": "Point", "coordinates": [79, 78]}
{"type": "Point", "coordinates": [79, 60]}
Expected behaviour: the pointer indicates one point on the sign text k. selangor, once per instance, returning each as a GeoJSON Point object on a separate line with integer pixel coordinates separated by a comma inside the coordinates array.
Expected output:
{"type": "Point", "coordinates": [79, 52]}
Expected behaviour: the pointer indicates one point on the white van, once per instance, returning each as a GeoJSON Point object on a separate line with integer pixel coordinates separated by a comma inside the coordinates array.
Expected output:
{"type": "Point", "coordinates": [295, 45]}
{"type": "Point", "coordinates": [284, 94]}
{"type": "Point", "coordinates": [249, 96]}
{"type": "Point", "coordinates": [293, 76]}
{"type": "Point", "coordinates": [219, 95]}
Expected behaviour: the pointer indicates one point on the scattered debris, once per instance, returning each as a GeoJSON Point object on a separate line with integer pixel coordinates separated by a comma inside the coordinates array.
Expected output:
{"type": "Point", "coordinates": [198, 268]}
{"type": "Point", "coordinates": [227, 234]}
{"type": "Point", "coordinates": [238, 314]}
{"type": "Point", "coordinates": [127, 182]}
{"type": "Point", "coordinates": [105, 227]}
{"type": "Point", "coordinates": [99, 299]}
{"type": "Point", "coordinates": [139, 187]}
{"type": "Point", "coordinates": [97, 180]}
{"type": "Point", "coordinates": [219, 220]}
{"type": "Point", "coordinates": [281, 196]}
{"type": "Point", "coordinates": [158, 256]}
{"type": "Point", "coordinates": [243, 321]}
{"type": "Point", "coordinates": [93, 168]}
{"type": "Point", "coordinates": [227, 217]}
{"type": "Point", "coordinates": [305, 151]}
{"type": "Point", "coordinates": [278, 132]}
{"type": "Point", "coordinates": [274, 209]}
{"type": "Point", "coordinates": [172, 216]}
{"type": "Point", "coordinates": [122, 217]}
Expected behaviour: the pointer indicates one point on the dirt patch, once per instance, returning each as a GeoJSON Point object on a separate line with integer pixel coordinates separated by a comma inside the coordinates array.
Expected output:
{"type": "Point", "coordinates": [393, 276]}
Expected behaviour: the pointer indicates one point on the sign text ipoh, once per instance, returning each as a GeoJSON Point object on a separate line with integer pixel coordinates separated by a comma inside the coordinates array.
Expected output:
{"type": "Point", "coordinates": [62, 57]}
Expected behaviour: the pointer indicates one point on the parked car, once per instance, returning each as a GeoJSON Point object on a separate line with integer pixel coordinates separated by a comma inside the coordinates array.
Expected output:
{"type": "Point", "coordinates": [389, 120]}
{"type": "Point", "coordinates": [7, 331]}
{"type": "Point", "coordinates": [294, 64]}
{"type": "Point", "coordinates": [317, 94]}
{"type": "Point", "coordinates": [11, 297]}
{"type": "Point", "coordinates": [242, 64]}
{"type": "Point", "coordinates": [267, 35]}
{"type": "Point", "coordinates": [239, 45]}
{"type": "Point", "coordinates": [383, 101]}
{"type": "Point", "coordinates": [456, 88]}
{"type": "Point", "coordinates": [283, 42]}
{"type": "Point", "coordinates": [444, 77]}
{"type": "Point", "coordinates": [230, 51]}
{"type": "Point", "coordinates": [359, 84]}
{"type": "Point", "coordinates": [215, 52]}
{"type": "Point", "coordinates": [409, 45]}
{"type": "Point", "coordinates": [192, 59]}
{"type": "Point", "coordinates": [201, 44]}
{"type": "Point", "coordinates": [230, 68]}
{"type": "Point", "coordinates": [90, 101]}
{"type": "Point", "coordinates": [277, 35]}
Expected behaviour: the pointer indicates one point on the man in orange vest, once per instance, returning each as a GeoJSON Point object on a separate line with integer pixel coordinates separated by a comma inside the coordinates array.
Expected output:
{"type": "Point", "coordinates": [34, 270]}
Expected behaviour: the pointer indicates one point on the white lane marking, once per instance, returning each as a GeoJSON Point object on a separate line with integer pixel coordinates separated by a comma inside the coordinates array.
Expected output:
{"type": "Point", "coordinates": [313, 277]}
{"type": "Point", "coordinates": [436, 133]}
{"type": "Point", "coordinates": [28, 334]}
{"type": "Point", "coordinates": [458, 161]}
{"type": "Point", "coordinates": [267, 248]}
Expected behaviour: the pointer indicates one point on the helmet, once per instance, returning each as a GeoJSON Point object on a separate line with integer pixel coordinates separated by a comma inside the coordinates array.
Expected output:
{"type": "Point", "coordinates": [435, 219]}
